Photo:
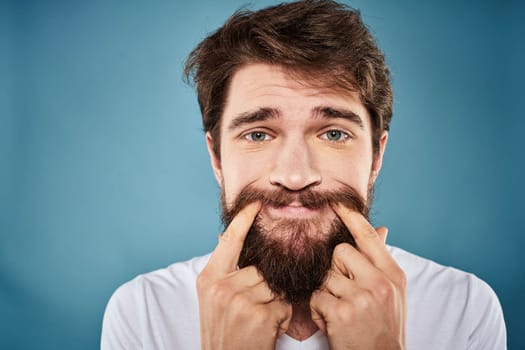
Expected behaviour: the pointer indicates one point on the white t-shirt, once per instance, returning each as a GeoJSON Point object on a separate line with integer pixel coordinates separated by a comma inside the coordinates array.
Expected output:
{"type": "Point", "coordinates": [447, 309]}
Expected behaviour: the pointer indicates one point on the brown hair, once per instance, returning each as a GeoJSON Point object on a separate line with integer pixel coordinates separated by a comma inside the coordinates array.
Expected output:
{"type": "Point", "coordinates": [319, 41]}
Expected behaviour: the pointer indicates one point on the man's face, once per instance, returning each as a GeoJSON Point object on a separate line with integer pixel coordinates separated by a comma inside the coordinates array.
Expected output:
{"type": "Point", "coordinates": [280, 135]}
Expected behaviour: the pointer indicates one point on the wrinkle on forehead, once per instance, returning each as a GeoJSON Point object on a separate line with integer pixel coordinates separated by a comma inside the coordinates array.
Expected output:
{"type": "Point", "coordinates": [296, 79]}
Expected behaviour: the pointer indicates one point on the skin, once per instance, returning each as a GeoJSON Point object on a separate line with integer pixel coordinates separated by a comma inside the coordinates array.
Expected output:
{"type": "Point", "coordinates": [237, 309]}
{"type": "Point", "coordinates": [362, 302]}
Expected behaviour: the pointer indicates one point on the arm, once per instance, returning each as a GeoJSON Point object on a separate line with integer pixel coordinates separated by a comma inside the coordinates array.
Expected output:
{"type": "Point", "coordinates": [488, 326]}
{"type": "Point", "coordinates": [120, 326]}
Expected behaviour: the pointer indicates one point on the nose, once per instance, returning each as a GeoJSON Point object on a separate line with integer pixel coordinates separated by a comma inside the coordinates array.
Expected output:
{"type": "Point", "coordinates": [294, 167]}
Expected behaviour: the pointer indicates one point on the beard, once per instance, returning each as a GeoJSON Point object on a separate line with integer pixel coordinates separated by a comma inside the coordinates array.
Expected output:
{"type": "Point", "coordinates": [294, 255]}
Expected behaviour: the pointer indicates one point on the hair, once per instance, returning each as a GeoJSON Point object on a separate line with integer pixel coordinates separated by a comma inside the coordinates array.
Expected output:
{"type": "Point", "coordinates": [320, 42]}
{"type": "Point", "coordinates": [294, 255]}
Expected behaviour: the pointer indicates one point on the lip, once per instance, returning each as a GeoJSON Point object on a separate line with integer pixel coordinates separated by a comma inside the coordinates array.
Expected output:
{"type": "Point", "coordinates": [292, 212]}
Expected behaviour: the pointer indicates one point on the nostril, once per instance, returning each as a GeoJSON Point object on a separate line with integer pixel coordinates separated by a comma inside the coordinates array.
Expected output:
{"type": "Point", "coordinates": [294, 168]}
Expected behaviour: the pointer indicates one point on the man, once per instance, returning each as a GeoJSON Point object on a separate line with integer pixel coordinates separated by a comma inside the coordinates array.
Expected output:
{"type": "Point", "coordinates": [296, 104]}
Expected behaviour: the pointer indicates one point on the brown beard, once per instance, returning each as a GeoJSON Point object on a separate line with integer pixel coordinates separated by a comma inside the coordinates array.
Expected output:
{"type": "Point", "coordinates": [296, 266]}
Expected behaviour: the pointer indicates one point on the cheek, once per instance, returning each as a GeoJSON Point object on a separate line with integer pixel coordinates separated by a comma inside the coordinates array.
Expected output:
{"type": "Point", "coordinates": [352, 171]}
{"type": "Point", "coordinates": [240, 171]}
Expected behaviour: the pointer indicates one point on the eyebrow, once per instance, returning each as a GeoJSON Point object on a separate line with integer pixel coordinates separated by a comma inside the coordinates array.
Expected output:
{"type": "Point", "coordinates": [258, 115]}
{"type": "Point", "coordinates": [267, 113]}
{"type": "Point", "coordinates": [330, 112]}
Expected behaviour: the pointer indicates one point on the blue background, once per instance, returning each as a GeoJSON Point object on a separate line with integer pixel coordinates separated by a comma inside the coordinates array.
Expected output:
{"type": "Point", "coordinates": [104, 172]}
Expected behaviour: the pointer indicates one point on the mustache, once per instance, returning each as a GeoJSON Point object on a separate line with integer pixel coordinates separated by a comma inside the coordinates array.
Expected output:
{"type": "Point", "coordinates": [309, 198]}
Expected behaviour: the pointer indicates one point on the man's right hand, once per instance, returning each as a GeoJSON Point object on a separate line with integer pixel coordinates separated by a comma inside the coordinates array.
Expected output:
{"type": "Point", "coordinates": [237, 309]}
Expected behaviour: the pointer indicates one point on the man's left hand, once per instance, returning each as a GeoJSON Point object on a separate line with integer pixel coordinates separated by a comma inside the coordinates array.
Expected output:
{"type": "Point", "coordinates": [362, 303]}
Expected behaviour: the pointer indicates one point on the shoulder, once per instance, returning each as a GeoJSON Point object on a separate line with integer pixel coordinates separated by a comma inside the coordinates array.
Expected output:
{"type": "Point", "coordinates": [427, 276]}
{"type": "Point", "coordinates": [139, 304]}
{"type": "Point", "coordinates": [177, 277]}
{"type": "Point", "coordinates": [451, 302]}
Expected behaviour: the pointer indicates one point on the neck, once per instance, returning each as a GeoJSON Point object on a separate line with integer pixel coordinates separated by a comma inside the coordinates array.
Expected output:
{"type": "Point", "coordinates": [301, 326]}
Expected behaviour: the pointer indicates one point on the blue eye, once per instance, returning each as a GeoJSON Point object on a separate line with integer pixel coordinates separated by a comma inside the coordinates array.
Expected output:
{"type": "Point", "coordinates": [257, 136]}
{"type": "Point", "coordinates": [335, 135]}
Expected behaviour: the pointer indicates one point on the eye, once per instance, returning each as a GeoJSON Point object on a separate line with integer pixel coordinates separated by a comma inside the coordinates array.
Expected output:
{"type": "Point", "coordinates": [335, 135]}
{"type": "Point", "coordinates": [257, 136]}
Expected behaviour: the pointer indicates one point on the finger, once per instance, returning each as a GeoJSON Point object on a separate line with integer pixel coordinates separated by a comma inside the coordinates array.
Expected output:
{"type": "Point", "coordinates": [347, 262]}
{"type": "Point", "coordinates": [382, 231]}
{"type": "Point", "coordinates": [262, 294]}
{"type": "Point", "coordinates": [340, 285]}
{"type": "Point", "coordinates": [318, 320]}
{"type": "Point", "coordinates": [225, 257]}
{"type": "Point", "coordinates": [246, 277]}
{"type": "Point", "coordinates": [367, 239]}
{"type": "Point", "coordinates": [245, 299]}
{"type": "Point", "coordinates": [321, 303]}
{"type": "Point", "coordinates": [283, 313]}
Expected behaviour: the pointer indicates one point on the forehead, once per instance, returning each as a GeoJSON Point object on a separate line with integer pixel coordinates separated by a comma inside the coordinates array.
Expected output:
{"type": "Point", "coordinates": [262, 85]}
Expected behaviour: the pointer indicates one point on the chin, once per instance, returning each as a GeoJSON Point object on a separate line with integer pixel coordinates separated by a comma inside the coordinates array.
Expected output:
{"type": "Point", "coordinates": [293, 256]}
{"type": "Point", "coordinates": [296, 228]}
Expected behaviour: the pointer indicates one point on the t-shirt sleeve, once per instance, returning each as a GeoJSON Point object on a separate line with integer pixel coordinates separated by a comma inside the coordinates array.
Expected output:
{"type": "Point", "coordinates": [121, 323]}
{"type": "Point", "coordinates": [488, 325]}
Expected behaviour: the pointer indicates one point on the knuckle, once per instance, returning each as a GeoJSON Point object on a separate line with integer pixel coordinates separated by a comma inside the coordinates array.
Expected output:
{"type": "Point", "coordinates": [252, 271]}
{"type": "Point", "coordinates": [219, 291]}
{"type": "Point", "coordinates": [287, 310]}
{"type": "Point", "coordinates": [341, 250]}
{"type": "Point", "coordinates": [226, 235]}
{"type": "Point", "coordinates": [344, 313]}
{"type": "Point", "coordinates": [398, 277]}
{"type": "Point", "coordinates": [314, 300]}
{"type": "Point", "coordinates": [203, 281]}
{"type": "Point", "coordinates": [385, 290]}
{"type": "Point", "coordinates": [260, 315]}
{"type": "Point", "coordinates": [363, 301]}
{"type": "Point", "coordinates": [370, 233]}
{"type": "Point", "coordinates": [328, 278]}
{"type": "Point", "coordinates": [231, 234]}
{"type": "Point", "coordinates": [240, 302]}
{"type": "Point", "coordinates": [401, 279]}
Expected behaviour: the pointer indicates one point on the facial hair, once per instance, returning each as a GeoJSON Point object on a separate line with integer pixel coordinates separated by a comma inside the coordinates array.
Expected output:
{"type": "Point", "coordinates": [294, 255]}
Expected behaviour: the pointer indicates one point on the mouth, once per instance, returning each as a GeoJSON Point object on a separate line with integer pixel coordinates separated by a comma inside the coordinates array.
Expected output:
{"type": "Point", "coordinates": [292, 211]}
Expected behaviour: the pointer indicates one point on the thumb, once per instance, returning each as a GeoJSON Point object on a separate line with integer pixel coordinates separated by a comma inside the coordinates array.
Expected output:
{"type": "Point", "coordinates": [382, 232]}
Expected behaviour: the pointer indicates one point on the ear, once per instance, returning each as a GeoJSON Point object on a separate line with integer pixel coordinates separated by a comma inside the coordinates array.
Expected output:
{"type": "Point", "coordinates": [378, 161]}
{"type": "Point", "coordinates": [215, 161]}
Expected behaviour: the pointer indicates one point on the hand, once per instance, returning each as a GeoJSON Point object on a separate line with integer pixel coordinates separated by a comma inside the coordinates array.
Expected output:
{"type": "Point", "coordinates": [237, 309]}
{"type": "Point", "coordinates": [361, 304]}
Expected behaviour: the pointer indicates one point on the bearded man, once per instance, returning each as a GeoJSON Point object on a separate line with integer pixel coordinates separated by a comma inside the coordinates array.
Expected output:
{"type": "Point", "coordinates": [296, 104]}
